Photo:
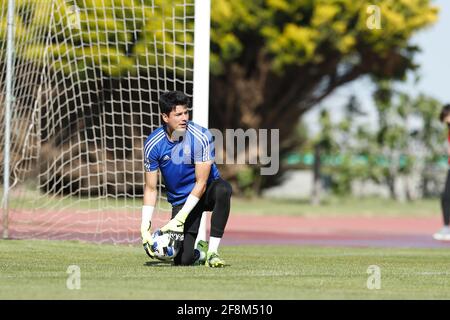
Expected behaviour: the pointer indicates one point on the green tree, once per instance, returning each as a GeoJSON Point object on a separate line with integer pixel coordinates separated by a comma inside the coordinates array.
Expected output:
{"type": "Point", "coordinates": [339, 153]}
{"type": "Point", "coordinates": [113, 36]}
{"type": "Point", "coordinates": [323, 145]}
{"type": "Point", "coordinates": [273, 60]}
{"type": "Point", "coordinates": [431, 139]}
{"type": "Point", "coordinates": [393, 136]}
{"type": "Point", "coordinates": [349, 163]}
{"type": "Point", "coordinates": [408, 138]}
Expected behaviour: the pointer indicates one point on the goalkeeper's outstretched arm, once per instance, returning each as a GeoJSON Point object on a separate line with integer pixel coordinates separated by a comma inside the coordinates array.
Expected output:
{"type": "Point", "coordinates": [150, 194]}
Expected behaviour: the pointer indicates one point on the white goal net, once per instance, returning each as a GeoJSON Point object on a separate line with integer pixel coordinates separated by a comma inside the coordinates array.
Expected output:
{"type": "Point", "coordinates": [87, 77]}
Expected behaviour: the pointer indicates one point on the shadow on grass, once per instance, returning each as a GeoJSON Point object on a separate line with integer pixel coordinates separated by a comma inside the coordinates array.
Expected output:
{"type": "Point", "coordinates": [159, 263]}
{"type": "Point", "coordinates": [165, 264]}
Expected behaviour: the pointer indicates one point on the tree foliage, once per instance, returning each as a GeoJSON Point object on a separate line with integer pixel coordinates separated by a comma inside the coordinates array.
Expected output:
{"type": "Point", "coordinates": [407, 138]}
{"type": "Point", "coordinates": [116, 37]}
{"type": "Point", "coordinates": [273, 60]}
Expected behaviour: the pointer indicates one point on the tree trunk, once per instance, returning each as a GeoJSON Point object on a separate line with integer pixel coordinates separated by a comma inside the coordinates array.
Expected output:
{"type": "Point", "coordinates": [251, 95]}
{"type": "Point", "coordinates": [391, 185]}
{"type": "Point", "coordinates": [317, 183]}
{"type": "Point", "coordinates": [408, 193]}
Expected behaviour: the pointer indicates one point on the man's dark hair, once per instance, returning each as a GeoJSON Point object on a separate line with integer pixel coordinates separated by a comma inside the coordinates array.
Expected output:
{"type": "Point", "coordinates": [445, 112]}
{"type": "Point", "coordinates": [170, 99]}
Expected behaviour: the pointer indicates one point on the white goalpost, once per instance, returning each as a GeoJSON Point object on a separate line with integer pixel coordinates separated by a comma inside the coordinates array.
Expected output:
{"type": "Point", "coordinates": [84, 92]}
{"type": "Point", "coordinates": [201, 77]}
{"type": "Point", "coordinates": [7, 115]}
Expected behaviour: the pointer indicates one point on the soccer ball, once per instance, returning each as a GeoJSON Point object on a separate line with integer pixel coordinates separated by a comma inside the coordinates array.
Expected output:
{"type": "Point", "coordinates": [165, 245]}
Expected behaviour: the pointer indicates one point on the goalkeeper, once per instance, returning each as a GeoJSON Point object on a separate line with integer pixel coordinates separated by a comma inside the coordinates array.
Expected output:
{"type": "Point", "coordinates": [184, 153]}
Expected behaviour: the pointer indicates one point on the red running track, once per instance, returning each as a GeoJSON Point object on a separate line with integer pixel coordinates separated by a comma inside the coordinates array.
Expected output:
{"type": "Point", "coordinates": [123, 227]}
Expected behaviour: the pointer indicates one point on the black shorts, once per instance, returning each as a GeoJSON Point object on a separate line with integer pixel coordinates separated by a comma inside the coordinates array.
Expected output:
{"type": "Point", "coordinates": [206, 203]}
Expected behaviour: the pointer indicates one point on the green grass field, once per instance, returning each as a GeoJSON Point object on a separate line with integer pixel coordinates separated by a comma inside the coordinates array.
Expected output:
{"type": "Point", "coordinates": [37, 269]}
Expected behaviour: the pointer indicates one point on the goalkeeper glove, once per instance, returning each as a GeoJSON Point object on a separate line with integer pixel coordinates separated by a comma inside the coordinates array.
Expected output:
{"type": "Point", "coordinates": [149, 250]}
{"type": "Point", "coordinates": [173, 226]}
{"type": "Point", "coordinates": [176, 225]}
{"type": "Point", "coordinates": [147, 240]}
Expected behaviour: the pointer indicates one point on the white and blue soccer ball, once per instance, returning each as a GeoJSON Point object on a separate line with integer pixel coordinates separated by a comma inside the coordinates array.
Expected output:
{"type": "Point", "coordinates": [165, 245]}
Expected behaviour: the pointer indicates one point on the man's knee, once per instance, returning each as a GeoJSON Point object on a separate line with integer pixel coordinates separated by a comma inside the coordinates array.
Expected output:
{"type": "Point", "coordinates": [224, 190]}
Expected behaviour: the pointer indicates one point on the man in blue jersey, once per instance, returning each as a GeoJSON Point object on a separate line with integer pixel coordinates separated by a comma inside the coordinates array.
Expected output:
{"type": "Point", "coordinates": [184, 153]}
